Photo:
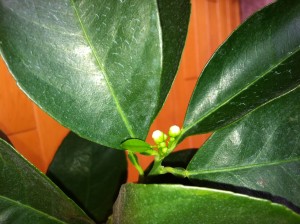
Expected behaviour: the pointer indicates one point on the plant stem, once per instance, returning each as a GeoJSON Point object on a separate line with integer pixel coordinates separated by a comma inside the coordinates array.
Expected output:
{"type": "Point", "coordinates": [181, 172]}
{"type": "Point", "coordinates": [134, 160]}
{"type": "Point", "coordinates": [157, 167]}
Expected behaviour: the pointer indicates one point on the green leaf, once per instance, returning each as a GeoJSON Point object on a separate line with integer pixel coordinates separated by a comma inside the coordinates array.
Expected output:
{"type": "Point", "coordinates": [137, 145]}
{"type": "Point", "coordinates": [27, 195]}
{"type": "Point", "coordinates": [180, 158]}
{"type": "Point", "coordinates": [174, 204]}
{"type": "Point", "coordinates": [97, 67]}
{"type": "Point", "coordinates": [90, 174]}
{"type": "Point", "coordinates": [174, 33]}
{"type": "Point", "coordinates": [260, 152]}
{"type": "Point", "coordinates": [258, 63]}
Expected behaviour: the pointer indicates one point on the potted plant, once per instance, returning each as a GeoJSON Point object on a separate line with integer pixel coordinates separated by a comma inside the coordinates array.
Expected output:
{"type": "Point", "coordinates": [104, 69]}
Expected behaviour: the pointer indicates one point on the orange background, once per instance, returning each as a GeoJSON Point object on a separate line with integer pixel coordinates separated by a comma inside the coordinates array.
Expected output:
{"type": "Point", "coordinates": [37, 136]}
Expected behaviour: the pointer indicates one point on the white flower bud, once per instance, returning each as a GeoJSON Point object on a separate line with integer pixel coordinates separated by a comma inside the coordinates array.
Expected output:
{"type": "Point", "coordinates": [158, 136]}
{"type": "Point", "coordinates": [174, 131]}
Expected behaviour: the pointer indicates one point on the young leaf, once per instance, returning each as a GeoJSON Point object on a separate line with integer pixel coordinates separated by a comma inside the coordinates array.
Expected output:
{"type": "Point", "coordinates": [260, 152]}
{"type": "Point", "coordinates": [181, 204]}
{"type": "Point", "coordinates": [90, 174]}
{"type": "Point", "coordinates": [97, 67]}
{"type": "Point", "coordinates": [137, 145]}
{"type": "Point", "coordinates": [27, 195]}
{"type": "Point", "coordinates": [258, 63]}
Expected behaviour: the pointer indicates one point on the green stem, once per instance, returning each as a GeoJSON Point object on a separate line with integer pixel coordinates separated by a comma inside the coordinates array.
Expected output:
{"type": "Point", "coordinates": [181, 172]}
{"type": "Point", "coordinates": [134, 160]}
{"type": "Point", "coordinates": [172, 145]}
{"type": "Point", "coordinates": [157, 167]}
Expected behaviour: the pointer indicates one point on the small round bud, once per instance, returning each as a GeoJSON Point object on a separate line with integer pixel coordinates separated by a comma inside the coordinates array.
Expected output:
{"type": "Point", "coordinates": [162, 144]}
{"type": "Point", "coordinates": [158, 136]}
{"type": "Point", "coordinates": [172, 139]}
{"type": "Point", "coordinates": [164, 150]}
{"type": "Point", "coordinates": [174, 131]}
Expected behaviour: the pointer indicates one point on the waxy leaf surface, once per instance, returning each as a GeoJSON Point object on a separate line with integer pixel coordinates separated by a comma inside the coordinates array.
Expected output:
{"type": "Point", "coordinates": [13, 212]}
{"type": "Point", "coordinates": [28, 196]}
{"type": "Point", "coordinates": [261, 152]}
{"type": "Point", "coordinates": [174, 19]}
{"type": "Point", "coordinates": [101, 68]}
{"type": "Point", "coordinates": [137, 145]}
{"type": "Point", "coordinates": [90, 174]}
{"type": "Point", "coordinates": [145, 204]}
{"type": "Point", "coordinates": [259, 62]}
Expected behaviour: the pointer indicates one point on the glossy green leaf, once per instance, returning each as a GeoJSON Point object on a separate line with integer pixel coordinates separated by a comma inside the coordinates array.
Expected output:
{"type": "Point", "coordinates": [27, 195]}
{"type": "Point", "coordinates": [14, 212]}
{"type": "Point", "coordinates": [137, 145]}
{"type": "Point", "coordinates": [145, 204]}
{"type": "Point", "coordinates": [260, 152]}
{"type": "Point", "coordinates": [90, 174]}
{"type": "Point", "coordinates": [173, 37]}
{"type": "Point", "coordinates": [95, 66]}
{"type": "Point", "coordinates": [180, 158]}
{"type": "Point", "coordinates": [259, 62]}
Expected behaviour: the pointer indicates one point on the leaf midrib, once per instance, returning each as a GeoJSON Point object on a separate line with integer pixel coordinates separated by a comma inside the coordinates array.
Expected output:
{"type": "Point", "coordinates": [238, 168]}
{"type": "Point", "coordinates": [242, 90]}
{"type": "Point", "coordinates": [19, 204]}
{"type": "Point", "coordinates": [117, 103]}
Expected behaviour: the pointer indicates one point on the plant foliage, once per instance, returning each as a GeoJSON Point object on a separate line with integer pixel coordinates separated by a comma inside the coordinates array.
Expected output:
{"type": "Point", "coordinates": [104, 70]}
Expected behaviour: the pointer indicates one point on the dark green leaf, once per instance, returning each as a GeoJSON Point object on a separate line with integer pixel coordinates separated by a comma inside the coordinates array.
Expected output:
{"type": "Point", "coordinates": [174, 204]}
{"type": "Point", "coordinates": [27, 195]}
{"type": "Point", "coordinates": [95, 66]}
{"type": "Point", "coordinates": [12, 211]}
{"type": "Point", "coordinates": [137, 145]}
{"type": "Point", "coordinates": [173, 36]}
{"type": "Point", "coordinates": [260, 152]}
{"type": "Point", "coordinates": [259, 62]}
{"type": "Point", "coordinates": [180, 158]}
{"type": "Point", "coordinates": [90, 174]}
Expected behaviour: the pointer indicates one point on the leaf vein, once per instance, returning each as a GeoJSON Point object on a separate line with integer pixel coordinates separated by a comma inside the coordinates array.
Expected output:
{"type": "Point", "coordinates": [117, 103]}
{"type": "Point", "coordinates": [30, 208]}
{"type": "Point", "coordinates": [238, 168]}
{"type": "Point", "coordinates": [186, 129]}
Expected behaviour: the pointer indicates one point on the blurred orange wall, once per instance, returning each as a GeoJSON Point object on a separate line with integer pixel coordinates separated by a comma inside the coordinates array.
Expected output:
{"type": "Point", "coordinates": [31, 131]}
{"type": "Point", "coordinates": [37, 136]}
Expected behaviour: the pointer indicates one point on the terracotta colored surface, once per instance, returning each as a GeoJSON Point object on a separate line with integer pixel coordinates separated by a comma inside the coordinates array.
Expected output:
{"type": "Point", "coordinates": [248, 7]}
{"type": "Point", "coordinates": [37, 136]}
{"type": "Point", "coordinates": [32, 132]}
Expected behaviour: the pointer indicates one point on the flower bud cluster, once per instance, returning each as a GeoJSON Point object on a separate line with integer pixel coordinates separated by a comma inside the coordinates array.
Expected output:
{"type": "Point", "coordinates": [160, 138]}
